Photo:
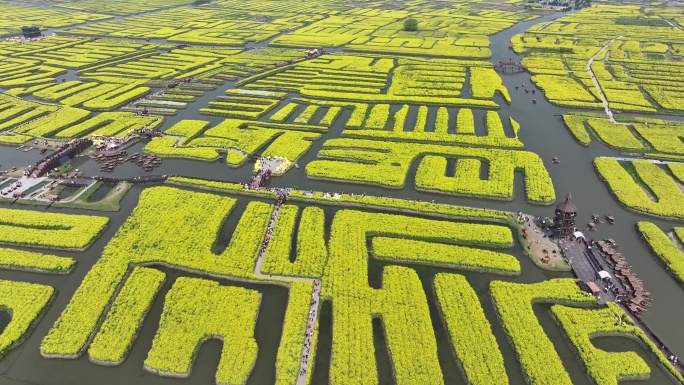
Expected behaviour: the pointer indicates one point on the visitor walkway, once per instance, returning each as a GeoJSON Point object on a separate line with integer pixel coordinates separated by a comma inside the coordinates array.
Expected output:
{"type": "Point", "coordinates": [596, 83]}
{"type": "Point", "coordinates": [307, 339]}
{"type": "Point", "coordinates": [586, 265]}
{"type": "Point", "coordinates": [654, 161]}
{"type": "Point", "coordinates": [545, 25]}
{"type": "Point", "coordinates": [672, 25]}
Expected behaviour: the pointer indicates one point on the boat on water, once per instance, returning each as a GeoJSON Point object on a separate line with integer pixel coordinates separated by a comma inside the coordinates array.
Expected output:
{"type": "Point", "coordinates": [610, 219]}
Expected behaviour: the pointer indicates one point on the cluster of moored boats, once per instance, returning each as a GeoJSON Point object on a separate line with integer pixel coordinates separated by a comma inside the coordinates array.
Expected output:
{"type": "Point", "coordinates": [595, 219]}
{"type": "Point", "coordinates": [109, 162]}
{"type": "Point", "coordinates": [632, 292]}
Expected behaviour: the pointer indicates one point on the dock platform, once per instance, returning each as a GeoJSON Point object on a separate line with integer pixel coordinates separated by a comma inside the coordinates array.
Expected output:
{"type": "Point", "coordinates": [586, 261]}
{"type": "Point", "coordinates": [585, 266]}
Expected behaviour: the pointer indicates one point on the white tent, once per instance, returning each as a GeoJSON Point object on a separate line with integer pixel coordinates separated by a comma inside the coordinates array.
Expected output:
{"type": "Point", "coordinates": [578, 235]}
{"type": "Point", "coordinates": [604, 274]}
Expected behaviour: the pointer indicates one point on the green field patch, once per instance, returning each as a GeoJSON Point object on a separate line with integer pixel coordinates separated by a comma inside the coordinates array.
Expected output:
{"type": "Point", "coordinates": [49, 230]}
{"type": "Point", "coordinates": [535, 351]}
{"type": "Point", "coordinates": [26, 302]}
{"type": "Point", "coordinates": [109, 124]}
{"type": "Point", "coordinates": [667, 250]}
{"type": "Point", "coordinates": [387, 164]}
{"type": "Point", "coordinates": [311, 251]}
{"type": "Point", "coordinates": [115, 338]}
{"type": "Point", "coordinates": [149, 227]}
{"type": "Point", "coordinates": [192, 311]}
{"type": "Point", "coordinates": [35, 262]}
{"type": "Point", "coordinates": [606, 368]}
{"type": "Point", "coordinates": [663, 197]}
{"type": "Point", "coordinates": [469, 330]}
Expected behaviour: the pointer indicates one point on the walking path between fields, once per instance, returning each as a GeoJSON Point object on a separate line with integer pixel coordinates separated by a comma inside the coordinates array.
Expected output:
{"type": "Point", "coordinates": [315, 295]}
{"type": "Point", "coordinates": [596, 83]}
{"type": "Point", "coordinates": [654, 161]}
{"type": "Point", "coordinates": [672, 25]}
{"type": "Point", "coordinates": [545, 25]}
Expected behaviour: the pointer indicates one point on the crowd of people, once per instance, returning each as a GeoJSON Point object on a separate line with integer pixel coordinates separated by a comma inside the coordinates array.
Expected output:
{"type": "Point", "coordinates": [106, 143]}
{"type": "Point", "coordinates": [51, 161]}
{"type": "Point", "coordinates": [259, 179]}
{"type": "Point", "coordinates": [137, 179]}
{"type": "Point", "coordinates": [308, 336]}
{"type": "Point", "coordinates": [271, 225]}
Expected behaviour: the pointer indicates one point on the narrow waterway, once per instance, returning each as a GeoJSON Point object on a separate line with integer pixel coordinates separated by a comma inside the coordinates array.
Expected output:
{"type": "Point", "coordinates": [544, 133]}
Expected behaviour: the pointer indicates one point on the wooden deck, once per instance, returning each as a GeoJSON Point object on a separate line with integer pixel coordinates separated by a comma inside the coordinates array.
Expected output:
{"type": "Point", "coordinates": [585, 268]}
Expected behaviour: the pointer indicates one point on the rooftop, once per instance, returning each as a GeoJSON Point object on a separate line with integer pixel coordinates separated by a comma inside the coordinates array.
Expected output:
{"type": "Point", "coordinates": [567, 206]}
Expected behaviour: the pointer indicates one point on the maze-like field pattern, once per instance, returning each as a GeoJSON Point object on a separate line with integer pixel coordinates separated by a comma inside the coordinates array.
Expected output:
{"type": "Point", "coordinates": [397, 110]}
{"type": "Point", "coordinates": [637, 70]}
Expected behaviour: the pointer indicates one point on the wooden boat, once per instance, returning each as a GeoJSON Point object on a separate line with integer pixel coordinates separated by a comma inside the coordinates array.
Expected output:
{"type": "Point", "coordinates": [610, 219]}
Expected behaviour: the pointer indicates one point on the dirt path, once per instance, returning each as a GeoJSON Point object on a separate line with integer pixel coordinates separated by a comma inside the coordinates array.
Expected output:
{"type": "Point", "coordinates": [596, 83]}
{"type": "Point", "coordinates": [545, 25]}
{"type": "Point", "coordinates": [315, 297]}
{"type": "Point", "coordinates": [672, 25]}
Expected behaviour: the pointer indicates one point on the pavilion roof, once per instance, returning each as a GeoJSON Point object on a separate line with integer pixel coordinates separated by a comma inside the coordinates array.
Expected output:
{"type": "Point", "coordinates": [567, 206]}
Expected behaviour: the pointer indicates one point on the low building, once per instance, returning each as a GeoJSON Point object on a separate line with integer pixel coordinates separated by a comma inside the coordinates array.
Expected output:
{"type": "Point", "coordinates": [594, 289]}
{"type": "Point", "coordinates": [31, 32]}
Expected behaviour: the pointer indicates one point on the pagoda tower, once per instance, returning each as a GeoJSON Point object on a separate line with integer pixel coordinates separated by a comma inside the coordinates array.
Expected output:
{"type": "Point", "coordinates": [31, 32]}
{"type": "Point", "coordinates": [564, 221]}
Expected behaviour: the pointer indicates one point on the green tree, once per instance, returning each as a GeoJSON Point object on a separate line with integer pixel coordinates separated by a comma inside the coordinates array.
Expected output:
{"type": "Point", "coordinates": [410, 24]}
